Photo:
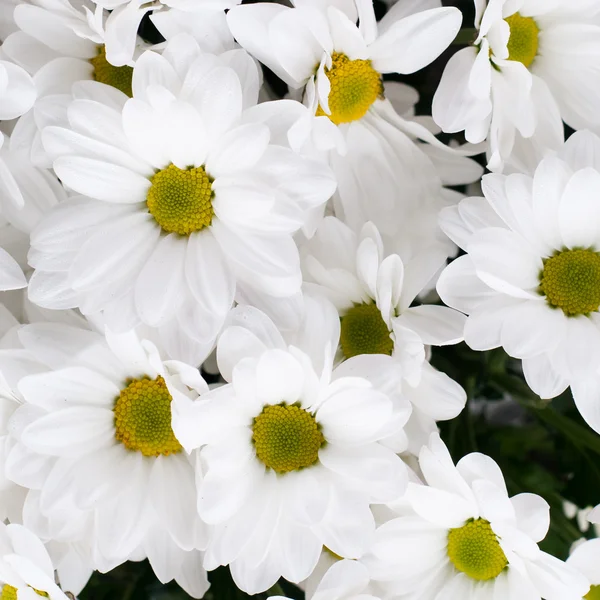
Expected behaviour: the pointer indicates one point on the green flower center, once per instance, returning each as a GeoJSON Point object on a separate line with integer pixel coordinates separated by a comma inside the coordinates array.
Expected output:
{"type": "Point", "coordinates": [10, 593]}
{"type": "Point", "coordinates": [355, 85]}
{"type": "Point", "coordinates": [118, 77]}
{"type": "Point", "coordinates": [524, 39]}
{"type": "Point", "coordinates": [474, 550]}
{"type": "Point", "coordinates": [181, 200]}
{"type": "Point", "coordinates": [287, 438]}
{"type": "Point", "coordinates": [594, 593]}
{"type": "Point", "coordinates": [570, 280]}
{"type": "Point", "coordinates": [363, 331]}
{"type": "Point", "coordinates": [143, 418]}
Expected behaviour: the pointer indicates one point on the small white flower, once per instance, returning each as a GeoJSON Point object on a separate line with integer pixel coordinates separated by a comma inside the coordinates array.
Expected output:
{"type": "Point", "coordinates": [468, 539]}
{"type": "Point", "coordinates": [584, 558]}
{"type": "Point", "coordinates": [291, 452]}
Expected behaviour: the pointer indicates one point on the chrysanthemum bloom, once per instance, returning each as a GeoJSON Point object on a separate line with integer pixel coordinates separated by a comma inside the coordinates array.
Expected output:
{"type": "Point", "coordinates": [468, 539]}
{"type": "Point", "coordinates": [291, 454]}
{"type": "Point", "coordinates": [584, 558]}
{"type": "Point", "coordinates": [94, 444]}
{"type": "Point", "coordinates": [530, 281]}
{"type": "Point", "coordinates": [188, 201]}
{"type": "Point", "coordinates": [532, 64]}
{"type": "Point", "coordinates": [382, 335]}
{"type": "Point", "coordinates": [26, 571]}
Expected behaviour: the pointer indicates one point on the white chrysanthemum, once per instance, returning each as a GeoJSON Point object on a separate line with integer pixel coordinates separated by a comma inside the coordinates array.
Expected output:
{"type": "Point", "coordinates": [189, 200]}
{"type": "Point", "coordinates": [584, 558]}
{"type": "Point", "coordinates": [531, 64]}
{"type": "Point", "coordinates": [94, 444]}
{"type": "Point", "coordinates": [530, 281]}
{"type": "Point", "coordinates": [382, 335]}
{"type": "Point", "coordinates": [25, 566]}
{"type": "Point", "coordinates": [468, 539]}
{"type": "Point", "coordinates": [291, 452]}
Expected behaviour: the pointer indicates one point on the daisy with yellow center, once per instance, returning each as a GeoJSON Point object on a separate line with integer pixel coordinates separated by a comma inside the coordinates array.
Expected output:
{"type": "Point", "coordinates": [195, 199]}
{"type": "Point", "coordinates": [520, 79]}
{"type": "Point", "coordinates": [104, 406]}
{"type": "Point", "coordinates": [287, 446]}
{"type": "Point", "coordinates": [466, 538]}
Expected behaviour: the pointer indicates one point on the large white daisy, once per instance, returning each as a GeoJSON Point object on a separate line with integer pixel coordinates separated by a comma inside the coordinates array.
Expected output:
{"type": "Point", "coordinates": [92, 440]}
{"type": "Point", "coordinates": [468, 539]}
{"type": "Point", "coordinates": [290, 450]}
{"type": "Point", "coordinates": [531, 64]}
{"type": "Point", "coordinates": [189, 201]}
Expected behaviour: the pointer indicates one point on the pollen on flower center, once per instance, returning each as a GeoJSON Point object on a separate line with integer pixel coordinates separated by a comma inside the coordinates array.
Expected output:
{"type": "Point", "coordinates": [524, 39]}
{"type": "Point", "coordinates": [355, 85]}
{"type": "Point", "coordinates": [594, 593]}
{"type": "Point", "coordinates": [287, 438]}
{"type": "Point", "coordinates": [117, 77]}
{"type": "Point", "coordinates": [143, 418]}
{"type": "Point", "coordinates": [570, 280]}
{"type": "Point", "coordinates": [181, 200]}
{"type": "Point", "coordinates": [474, 550]}
{"type": "Point", "coordinates": [363, 331]}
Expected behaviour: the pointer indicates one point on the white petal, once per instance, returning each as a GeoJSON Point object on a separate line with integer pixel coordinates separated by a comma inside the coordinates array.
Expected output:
{"type": "Point", "coordinates": [435, 325]}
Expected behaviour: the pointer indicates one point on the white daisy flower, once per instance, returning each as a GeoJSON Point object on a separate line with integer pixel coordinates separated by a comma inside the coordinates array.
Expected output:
{"type": "Point", "coordinates": [584, 558]}
{"type": "Point", "coordinates": [94, 444]}
{"type": "Point", "coordinates": [382, 335]}
{"type": "Point", "coordinates": [532, 64]}
{"type": "Point", "coordinates": [468, 539]}
{"type": "Point", "coordinates": [530, 281]}
{"type": "Point", "coordinates": [189, 201]}
{"type": "Point", "coordinates": [291, 452]}
{"type": "Point", "coordinates": [25, 566]}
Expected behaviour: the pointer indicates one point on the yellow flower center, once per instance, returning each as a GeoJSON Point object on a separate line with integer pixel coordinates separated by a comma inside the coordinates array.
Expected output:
{"type": "Point", "coordinates": [143, 418]}
{"type": "Point", "coordinates": [118, 77]}
{"type": "Point", "coordinates": [10, 593]}
{"type": "Point", "coordinates": [355, 85]}
{"type": "Point", "coordinates": [287, 438]}
{"type": "Point", "coordinates": [570, 280]}
{"type": "Point", "coordinates": [181, 200]}
{"type": "Point", "coordinates": [474, 550]}
{"type": "Point", "coordinates": [594, 593]}
{"type": "Point", "coordinates": [524, 39]}
{"type": "Point", "coordinates": [363, 331]}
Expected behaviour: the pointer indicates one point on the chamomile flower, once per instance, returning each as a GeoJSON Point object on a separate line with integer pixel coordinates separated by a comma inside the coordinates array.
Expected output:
{"type": "Point", "coordinates": [291, 453]}
{"type": "Point", "coordinates": [93, 442]}
{"type": "Point", "coordinates": [530, 281]}
{"type": "Point", "coordinates": [584, 558]}
{"type": "Point", "coordinates": [381, 333]}
{"type": "Point", "coordinates": [187, 200]}
{"type": "Point", "coordinates": [468, 539]}
{"type": "Point", "coordinates": [26, 567]}
{"type": "Point", "coordinates": [531, 65]}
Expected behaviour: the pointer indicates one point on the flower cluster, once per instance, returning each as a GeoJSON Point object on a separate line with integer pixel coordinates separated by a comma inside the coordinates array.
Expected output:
{"type": "Point", "coordinates": [229, 253]}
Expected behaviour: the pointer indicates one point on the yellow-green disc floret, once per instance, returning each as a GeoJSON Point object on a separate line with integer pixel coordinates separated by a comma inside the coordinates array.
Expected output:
{"type": "Point", "coordinates": [287, 438]}
{"type": "Point", "coordinates": [524, 39]}
{"type": "Point", "coordinates": [10, 593]}
{"type": "Point", "coordinates": [594, 593]}
{"type": "Point", "coordinates": [355, 85]}
{"type": "Point", "coordinates": [180, 200]}
{"type": "Point", "coordinates": [475, 551]}
{"type": "Point", "coordinates": [570, 280]}
{"type": "Point", "coordinates": [118, 77]}
{"type": "Point", "coordinates": [143, 418]}
{"type": "Point", "coordinates": [363, 331]}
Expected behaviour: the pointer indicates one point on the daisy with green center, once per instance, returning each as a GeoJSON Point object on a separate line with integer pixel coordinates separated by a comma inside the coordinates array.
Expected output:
{"type": "Point", "coordinates": [189, 203]}
{"type": "Point", "coordinates": [291, 450]}
{"type": "Point", "coordinates": [584, 557]}
{"type": "Point", "coordinates": [532, 65]}
{"type": "Point", "coordinates": [382, 335]}
{"type": "Point", "coordinates": [26, 568]}
{"type": "Point", "coordinates": [467, 539]}
{"type": "Point", "coordinates": [530, 280]}
{"type": "Point", "coordinates": [95, 417]}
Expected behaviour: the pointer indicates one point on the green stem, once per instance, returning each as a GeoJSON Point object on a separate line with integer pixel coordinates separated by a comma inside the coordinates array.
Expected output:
{"type": "Point", "coordinates": [465, 37]}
